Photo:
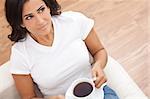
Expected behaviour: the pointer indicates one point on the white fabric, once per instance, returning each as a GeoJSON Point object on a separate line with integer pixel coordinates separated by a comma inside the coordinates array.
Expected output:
{"type": "Point", "coordinates": [121, 82]}
{"type": "Point", "coordinates": [6, 79]}
{"type": "Point", "coordinates": [55, 68]}
{"type": "Point", "coordinates": [97, 93]}
{"type": "Point", "coordinates": [134, 92]}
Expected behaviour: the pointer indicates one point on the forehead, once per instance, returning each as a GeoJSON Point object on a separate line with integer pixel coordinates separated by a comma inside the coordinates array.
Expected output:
{"type": "Point", "coordinates": [32, 5]}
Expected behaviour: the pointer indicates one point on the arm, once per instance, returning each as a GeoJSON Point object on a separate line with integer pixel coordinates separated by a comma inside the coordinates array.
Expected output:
{"type": "Point", "coordinates": [96, 49]}
{"type": "Point", "coordinates": [100, 57]}
{"type": "Point", "coordinates": [24, 85]}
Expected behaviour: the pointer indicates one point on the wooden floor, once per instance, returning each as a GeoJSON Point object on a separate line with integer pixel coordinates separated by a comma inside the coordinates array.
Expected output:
{"type": "Point", "coordinates": [122, 26]}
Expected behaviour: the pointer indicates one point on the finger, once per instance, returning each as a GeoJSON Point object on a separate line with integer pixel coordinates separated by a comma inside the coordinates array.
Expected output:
{"type": "Point", "coordinates": [99, 77]}
{"type": "Point", "coordinates": [97, 81]}
{"type": "Point", "coordinates": [102, 81]}
{"type": "Point", "coordinates": [94, 77]}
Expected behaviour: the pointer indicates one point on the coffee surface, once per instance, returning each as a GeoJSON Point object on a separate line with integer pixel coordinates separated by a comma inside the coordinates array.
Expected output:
{"type": "Point", "coordinates": [82, 89]}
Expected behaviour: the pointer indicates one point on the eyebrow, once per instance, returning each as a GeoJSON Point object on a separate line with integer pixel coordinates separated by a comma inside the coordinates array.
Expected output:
{"type": "Point", "coordinates": [36, 10]}
{"type": "Point", "coordinates": [40, 8]}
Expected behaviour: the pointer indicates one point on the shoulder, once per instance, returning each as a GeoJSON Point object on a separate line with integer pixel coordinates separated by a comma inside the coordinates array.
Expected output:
{"type": "Point", "coordinates": [73, 13]}
{"type": "Point", "coordinates": [70, 15]}
{"type": "Point", "coordinates": [19, 47]}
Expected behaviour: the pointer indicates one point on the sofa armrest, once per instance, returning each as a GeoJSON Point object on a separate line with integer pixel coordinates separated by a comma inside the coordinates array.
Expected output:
{"type": "Point", "coordinates": [7, 87]}
{"type": "Point", "coordinates": [120, 81]}
{"type": "Point", "coordinates": [5, 77]}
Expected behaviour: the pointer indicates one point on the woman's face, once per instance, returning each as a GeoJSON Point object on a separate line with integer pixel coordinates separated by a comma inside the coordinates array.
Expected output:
{"type": "Point", "coordinates": [36, 17]}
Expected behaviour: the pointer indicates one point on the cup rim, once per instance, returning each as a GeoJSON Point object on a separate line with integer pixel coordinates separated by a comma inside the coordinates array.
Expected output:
{"type": "Point", "coordinates": [80, 80]}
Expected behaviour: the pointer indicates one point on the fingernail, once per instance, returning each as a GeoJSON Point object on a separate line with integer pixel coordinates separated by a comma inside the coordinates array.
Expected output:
{"type": "Point", "coordinates": [94, 78]}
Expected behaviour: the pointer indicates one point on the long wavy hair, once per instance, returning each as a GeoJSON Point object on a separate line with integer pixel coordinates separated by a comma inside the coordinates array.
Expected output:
{"type": "Point", "coordinates": [13, 11]}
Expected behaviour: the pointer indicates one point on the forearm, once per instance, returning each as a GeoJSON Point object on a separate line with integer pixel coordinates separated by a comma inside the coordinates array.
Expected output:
{"type": "Point", "coordinates": [52, 97]}
{"type": "Point", "coordinates": [47, 97]}
{"type": "Point", "coordinates": [100, 58]}
{"type": "Point", "coordinates": [31, 98]}
{"type": "Point", "coordinates": [37, 98]}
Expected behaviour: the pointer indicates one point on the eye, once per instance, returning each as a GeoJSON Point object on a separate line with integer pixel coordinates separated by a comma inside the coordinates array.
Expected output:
{"type": "Point", "coordinates": [41, 10]}
{"type": "Point", "coordinates": [29, 17]}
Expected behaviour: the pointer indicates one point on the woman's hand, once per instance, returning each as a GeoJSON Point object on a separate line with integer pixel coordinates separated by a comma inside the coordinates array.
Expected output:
{"type": "Point", "coordinates": [56, 97]}
{"type": "Point", "coordinates": [97, 72]}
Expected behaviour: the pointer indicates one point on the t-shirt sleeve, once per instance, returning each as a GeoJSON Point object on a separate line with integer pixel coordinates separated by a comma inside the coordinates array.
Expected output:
{"type": "Point", "coordinates": [86, 24]}
{"type": "Point", "coordinates": [18, 63]}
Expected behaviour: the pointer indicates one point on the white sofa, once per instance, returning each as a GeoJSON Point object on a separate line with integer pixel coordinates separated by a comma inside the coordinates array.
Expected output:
{"type": "Point", "coordinates": [118, 79]}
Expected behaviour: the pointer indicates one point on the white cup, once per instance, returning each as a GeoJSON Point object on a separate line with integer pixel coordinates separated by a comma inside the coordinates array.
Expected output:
{"type": "Point", "coordinates": [70, 94]}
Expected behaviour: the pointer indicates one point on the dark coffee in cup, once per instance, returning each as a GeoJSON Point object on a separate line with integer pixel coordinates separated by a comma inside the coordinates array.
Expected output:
{"type": "Point", "coordinates": [83, 89]}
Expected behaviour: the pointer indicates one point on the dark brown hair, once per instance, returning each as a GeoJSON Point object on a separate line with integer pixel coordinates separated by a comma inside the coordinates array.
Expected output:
{"type": "Point", "coordinates": [13, 9]}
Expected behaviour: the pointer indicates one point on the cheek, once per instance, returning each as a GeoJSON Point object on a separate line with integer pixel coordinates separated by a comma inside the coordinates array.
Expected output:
{"type": "Point", "coordinates": [47, 15]}
{"type": "Point", "coordinates": [30, 27]}
{"type": "Point", "coordinates": [29, 24]}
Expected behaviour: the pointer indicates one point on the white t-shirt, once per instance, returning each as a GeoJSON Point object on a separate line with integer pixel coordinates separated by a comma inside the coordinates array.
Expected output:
{"type": "Point", "coordinates": [55, 68]}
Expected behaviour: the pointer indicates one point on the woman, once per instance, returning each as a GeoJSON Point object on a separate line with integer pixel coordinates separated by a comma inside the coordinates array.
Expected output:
{"type": "Point", "coordinates": [52, 49]}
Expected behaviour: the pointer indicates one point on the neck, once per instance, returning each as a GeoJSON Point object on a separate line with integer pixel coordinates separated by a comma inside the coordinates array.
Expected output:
{"type": "Point", "coordinates": [46, 40]}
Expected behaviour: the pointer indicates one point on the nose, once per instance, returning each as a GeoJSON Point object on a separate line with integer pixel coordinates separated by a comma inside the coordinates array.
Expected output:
{"type": "Point", "coordinates": [39, 20]}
